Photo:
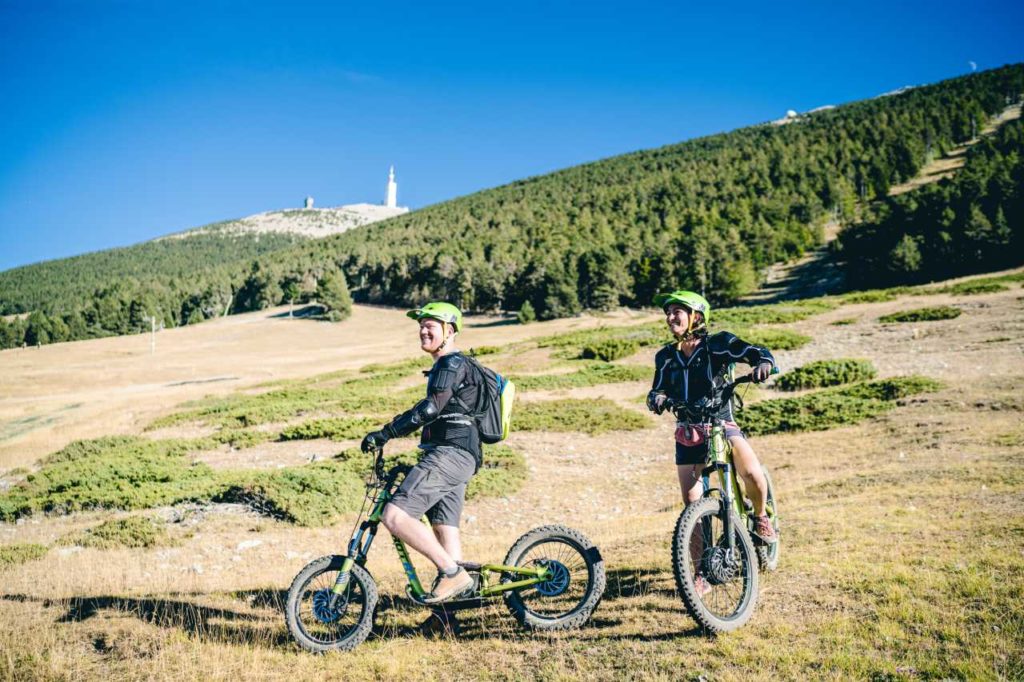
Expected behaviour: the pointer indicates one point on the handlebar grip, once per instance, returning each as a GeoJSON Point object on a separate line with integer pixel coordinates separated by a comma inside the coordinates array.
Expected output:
{"type": "Point", "coordinates": [776, 370]}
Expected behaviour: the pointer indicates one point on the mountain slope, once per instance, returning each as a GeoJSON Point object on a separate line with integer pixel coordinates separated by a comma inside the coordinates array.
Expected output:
{"type": "Point", "coordinates": [709, 214]}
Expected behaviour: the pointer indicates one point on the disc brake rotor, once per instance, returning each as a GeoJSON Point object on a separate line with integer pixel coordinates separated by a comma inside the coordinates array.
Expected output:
{"type": "Point", "coordinates": [322, 610]}
{"type": "Point", "coordinates": [559, 580]}
{"type": "Point", "coordinates": [720, 565]}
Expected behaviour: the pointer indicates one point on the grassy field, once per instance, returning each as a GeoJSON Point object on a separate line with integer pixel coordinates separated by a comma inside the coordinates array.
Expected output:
{"type": "Point", "coordinates": [903, 529]}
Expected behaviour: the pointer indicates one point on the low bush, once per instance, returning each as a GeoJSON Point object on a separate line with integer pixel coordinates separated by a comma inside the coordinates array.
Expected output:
{"type": "Point", "coordinates": [134, 531]}
{"type": "Point", "coordinates": [340, 428]}
{"type": "Point", "coordinates": [776, 313]}
{"type": "Point", "coordinates": [823, 373]}
{"type": "Point", "coordinates": [503, 472]}
{"type": "Point", "coordinates": [20, 553]}
{"type": "Point", "coordinates": [609, 350]}
{"type": "Point", "coordinates": [774, 339]}
{"type": "Point", "coordinates": [311, 495]}
{"type": "Point", "coordinates": [478, 351]}
{"type": "Point", "coordinates": [874, 295]}
{"type": "Point", "coordinates": [844, 321]}
{"type": "Point", "coordinates": [586, 416]}
{"type": "Point", "coordinates": [122, 472]}
{"type": "Point", "coordinates": [977, 286]}
{"type": "Point", "coordinates": [832, 407]}
{"type": "Point", "coordinates": [943, 312]}
{"type": "Point", "coordinates": [591, 375]}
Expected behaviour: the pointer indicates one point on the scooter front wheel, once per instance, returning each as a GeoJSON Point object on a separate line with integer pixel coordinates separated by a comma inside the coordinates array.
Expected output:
{"type": "Point", "coordinates": [321, 619]}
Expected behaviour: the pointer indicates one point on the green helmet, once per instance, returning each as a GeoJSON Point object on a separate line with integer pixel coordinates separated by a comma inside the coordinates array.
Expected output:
{"type": "Point", "coordinates": [687, 299]}
{"type": "Point", "coordinates": [439, 310]}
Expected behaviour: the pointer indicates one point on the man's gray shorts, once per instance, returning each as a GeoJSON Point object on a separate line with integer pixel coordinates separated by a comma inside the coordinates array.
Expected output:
{"type": "Point", "coordinates": [436, 486]}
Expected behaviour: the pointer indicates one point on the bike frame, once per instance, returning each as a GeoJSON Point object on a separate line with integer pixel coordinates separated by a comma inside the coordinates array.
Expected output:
{"type": "Point", "coordinates": [729, 487]}
{"type": "Point", "coordinates": [491, 575]}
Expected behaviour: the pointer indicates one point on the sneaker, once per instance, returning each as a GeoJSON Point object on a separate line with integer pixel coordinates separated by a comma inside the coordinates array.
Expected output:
{"type": "Point", "coordinates": [764, 530]}
{"type": "Point", "coordinates": [446, 589]}
{"type": "Point", "coordinates": [701, 586]}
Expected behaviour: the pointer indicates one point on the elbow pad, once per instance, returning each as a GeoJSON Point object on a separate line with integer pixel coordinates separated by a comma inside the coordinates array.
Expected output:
{"type": "Point", "coordinates": [422, 413]}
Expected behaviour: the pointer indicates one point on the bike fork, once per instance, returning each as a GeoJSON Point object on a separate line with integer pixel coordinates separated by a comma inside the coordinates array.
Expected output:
{"type": "Point", "coordinates": [727, 502]}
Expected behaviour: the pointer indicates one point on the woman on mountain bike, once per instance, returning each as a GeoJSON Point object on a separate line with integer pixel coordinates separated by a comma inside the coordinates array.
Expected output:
{"type": "Point", "coordinates": [686, 372]}
{"type": "Point", "coordinates": [436, 486]}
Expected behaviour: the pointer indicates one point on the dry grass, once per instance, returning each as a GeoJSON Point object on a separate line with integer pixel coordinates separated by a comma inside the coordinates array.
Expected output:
{"type": "Point", "coordinates": [901, 559]}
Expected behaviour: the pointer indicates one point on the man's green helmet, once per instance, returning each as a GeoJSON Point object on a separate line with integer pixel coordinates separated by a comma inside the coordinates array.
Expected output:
{"type": "Point", "coordinates": [439, 310]}
{"type": "Point", "coordinates": [687, 299]}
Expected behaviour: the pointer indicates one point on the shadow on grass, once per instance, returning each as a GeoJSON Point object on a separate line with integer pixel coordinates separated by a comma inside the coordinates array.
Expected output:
{"type": "Point", "coordinates": [308, 312]}
{"type": "Point", "coordinates": [263, 625]}
{"type": "Point", "coordinates": [207, 623]}
{"type": "Point", "coordinates": [496, 323]}
{"type": "Point", "coordinates": [636, 582]}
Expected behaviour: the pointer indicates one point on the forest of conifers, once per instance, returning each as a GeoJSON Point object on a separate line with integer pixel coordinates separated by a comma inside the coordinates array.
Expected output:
{"type": "Point", "coordinates": [969, 223]}
{"type": "Point", "coordinates": [707, 214]}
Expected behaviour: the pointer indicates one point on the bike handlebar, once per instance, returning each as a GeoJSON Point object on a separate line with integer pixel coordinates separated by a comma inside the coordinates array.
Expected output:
{"type": "Point", "coordinates": [704, 409]}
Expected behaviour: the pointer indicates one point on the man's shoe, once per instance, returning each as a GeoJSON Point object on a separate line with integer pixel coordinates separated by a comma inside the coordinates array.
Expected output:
{"type": "Point", "coordinates": [764, 530]}
{"type": "Point", "coordinates": [446, 589]}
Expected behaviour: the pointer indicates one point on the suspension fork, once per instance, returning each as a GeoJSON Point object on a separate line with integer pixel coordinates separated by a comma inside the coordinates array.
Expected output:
{"type": "Point", "coordinates": [358, 548]}
{"type": "Point", "coordinates": [722, 463]}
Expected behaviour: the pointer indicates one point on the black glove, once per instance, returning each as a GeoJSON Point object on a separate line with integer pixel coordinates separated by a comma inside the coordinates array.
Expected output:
{"type": "Point", "coordinates": [374, 440]}
{"type": "Point", "coordinates": [656, 402]}
{"type": "Point", "coordinates": [762, 372]}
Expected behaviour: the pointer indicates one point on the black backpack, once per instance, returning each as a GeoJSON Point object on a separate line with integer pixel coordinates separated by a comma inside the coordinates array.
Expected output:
{"type": "Point", "coordinates": [493, 410]}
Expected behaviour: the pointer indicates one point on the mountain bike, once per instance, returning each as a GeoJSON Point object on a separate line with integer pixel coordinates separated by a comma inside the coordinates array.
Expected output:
{"type": "Point", "coordinates": [713, 537]}
{"type": "Point", "coordinates": [552, 578]}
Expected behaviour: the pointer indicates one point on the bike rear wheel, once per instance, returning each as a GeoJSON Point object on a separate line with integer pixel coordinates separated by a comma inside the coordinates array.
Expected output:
{"type": "Point", "coordinates": [768, 555]}
{"type": "Point", "coordinates": [724, 597]}
{"type": "Point", "coordinates": [317, 624]}
{"type": "Point", "coordinates": [568, 599]}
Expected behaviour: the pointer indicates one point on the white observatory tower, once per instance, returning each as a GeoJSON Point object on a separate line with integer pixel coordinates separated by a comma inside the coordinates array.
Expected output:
{"type": "Point", "coordinates": [392, 200]}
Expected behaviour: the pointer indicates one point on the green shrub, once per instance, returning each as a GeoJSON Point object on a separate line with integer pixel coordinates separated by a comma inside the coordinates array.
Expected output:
{"type": "Point", "coordinates": [311, 495]}
{"type": "Point", "coordinates": [484, 350]}
{"type": "Point", "coordinates": [874, 295]}
{"type": "Point", "coordinates": [591, 375]}
{"type": "Point", "coordinates": [120, 472]}
{"type": "Point", "coordinates": [892, 389]}
{"type": "Point", "coordinates": [526, 313]}
{"type": "Point", "coordinates": [134, 531]}
{"type": "Point", "coordinates": [503, 473]}
{"type": "Point", "coordinates": [776, 313]}
{"type": "Point", "coordinates": [609, 350]}
{"type": "Point", "coordinates": [844, 321]}
{"type": "Point", "coordinates": [20, 553]}
{"type": "Point", "coordinates": [832, 407]}
{"type": "Point", "coordinates": [340, 428]}
{"type": "Point", "coordinates": [943, 312]}
{"type": "Point", "coordinates": [977, 286]}
{"type": "Point", "coordinates": [774, 339]}
{"type": "Point", "coordinates": [586, 416]}
{"type": "Point", "coordinates": [822, 373]}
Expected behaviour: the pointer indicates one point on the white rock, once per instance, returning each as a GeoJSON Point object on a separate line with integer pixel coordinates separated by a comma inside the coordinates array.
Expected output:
{"type": "Point", "coordinates": [248, 544]}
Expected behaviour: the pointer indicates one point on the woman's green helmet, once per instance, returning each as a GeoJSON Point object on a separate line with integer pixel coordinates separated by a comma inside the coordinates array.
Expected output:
{"type": "Point", "coordinates": [687, 299]}
{"type": "Point", "coordinates": [439, 310]}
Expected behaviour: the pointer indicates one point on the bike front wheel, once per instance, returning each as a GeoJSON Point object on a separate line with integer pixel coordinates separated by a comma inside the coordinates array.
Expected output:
{"type": "Point", "coordinates": [320, 620]}
{"type": "Point", "coordinates": [569, 597]}
{"type": "Point", "coordinates": [717, 585]}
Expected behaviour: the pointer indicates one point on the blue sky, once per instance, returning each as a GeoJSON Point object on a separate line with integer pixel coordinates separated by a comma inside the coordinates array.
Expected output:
{"type": "Point", "coordinates": [121, 121]}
